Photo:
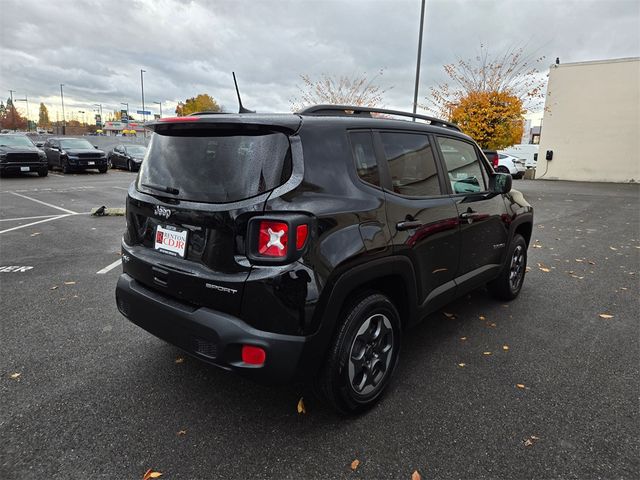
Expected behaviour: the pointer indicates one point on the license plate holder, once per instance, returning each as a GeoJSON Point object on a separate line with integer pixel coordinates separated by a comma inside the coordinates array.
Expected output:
{"type": "Point", "coordinates": [171, 240]}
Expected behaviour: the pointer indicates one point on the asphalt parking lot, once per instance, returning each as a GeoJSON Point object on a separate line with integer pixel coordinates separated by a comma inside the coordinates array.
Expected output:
{"type": "Point", "coordinates": [542, 387]}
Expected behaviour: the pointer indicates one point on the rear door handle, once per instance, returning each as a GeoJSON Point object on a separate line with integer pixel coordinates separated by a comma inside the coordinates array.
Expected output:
{"type": "Point", "coordinates": [408, 225]}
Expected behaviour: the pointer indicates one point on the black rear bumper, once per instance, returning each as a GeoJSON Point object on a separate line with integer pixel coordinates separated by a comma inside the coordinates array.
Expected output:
{"type": "Point", "coordinates": [211, 336]}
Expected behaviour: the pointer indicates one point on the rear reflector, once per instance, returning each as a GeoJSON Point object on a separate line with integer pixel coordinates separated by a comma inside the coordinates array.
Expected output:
{"type": "Point", "coordinates": [253, 355]}
{"type": "Point", "coordinates": [178, 119]}
{"type": "Point", "coordinates": [272, 239]}
{"type": "Point", "coordinates": [301, 236]}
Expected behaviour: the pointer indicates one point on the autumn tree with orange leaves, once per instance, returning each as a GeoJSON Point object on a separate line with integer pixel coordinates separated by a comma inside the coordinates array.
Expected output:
{"type": "Point", "coordinates": [490, 95]}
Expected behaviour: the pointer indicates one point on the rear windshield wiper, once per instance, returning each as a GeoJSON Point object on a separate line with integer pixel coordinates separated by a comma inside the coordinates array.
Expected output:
{"type": "Point", "coordinates": [160, 188]}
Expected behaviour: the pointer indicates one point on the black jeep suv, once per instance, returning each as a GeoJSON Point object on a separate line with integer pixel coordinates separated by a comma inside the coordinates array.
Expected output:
{"type": "Point", "coordinates": [302, 246]}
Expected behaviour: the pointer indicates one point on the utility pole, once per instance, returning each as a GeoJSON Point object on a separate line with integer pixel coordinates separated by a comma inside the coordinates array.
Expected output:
{"type": "Point", "coordinates": [13, 112]}
{"type": "Point", "coordinates": [144, 115]}
{"type": "Point", "coordinates": [64, 123]}
{"type": "Point", "coordinates": [415, 92]}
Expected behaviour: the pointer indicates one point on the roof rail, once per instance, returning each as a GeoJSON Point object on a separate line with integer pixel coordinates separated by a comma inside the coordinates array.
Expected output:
{"type": "Point", "coordinates": [330, 110]}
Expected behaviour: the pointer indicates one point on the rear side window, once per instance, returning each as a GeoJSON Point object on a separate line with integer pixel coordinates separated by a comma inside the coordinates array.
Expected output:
{"type": "Point", "coordinates": [463, 165]}
{"type": "Point", "coordinates": [365, 157]}
{"type": "Point", "coordinates": [216, 165]}
{"type": "Point", "coordinates": [411, 163]}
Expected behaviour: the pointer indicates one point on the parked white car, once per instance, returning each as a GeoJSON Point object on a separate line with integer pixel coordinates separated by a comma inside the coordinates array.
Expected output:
{"type": "Point", "coordinates": [510, 164]}
{"type": "Point", "coordinates": [525, 151]}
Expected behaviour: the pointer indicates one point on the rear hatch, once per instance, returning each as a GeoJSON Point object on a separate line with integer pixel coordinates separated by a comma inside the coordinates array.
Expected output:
{"type": "Point", "coordinates": [200, 182]}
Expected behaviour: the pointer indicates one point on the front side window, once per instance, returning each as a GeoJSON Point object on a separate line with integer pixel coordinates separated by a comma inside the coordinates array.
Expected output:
{"type": "Point", "coordinates": [463, 165]}
{"type": "Point", "coordinates": [365, 157]}
{"type": "Point", "coordinates": [412, 164]}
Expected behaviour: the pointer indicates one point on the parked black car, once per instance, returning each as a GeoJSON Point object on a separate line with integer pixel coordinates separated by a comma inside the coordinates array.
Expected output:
{"type": "Point", "coordinates": [302, 246]}
{"type": "Point", "coordinates": [73, 154]}
{"type": "Point", "coordinates": [127, 156]}
{"type": "Point", "coordinates": [18, 154]}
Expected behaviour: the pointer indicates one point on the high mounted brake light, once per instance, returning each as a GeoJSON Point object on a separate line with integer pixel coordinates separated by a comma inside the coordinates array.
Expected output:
{"type": "Point", "coordinates": [178, 119]}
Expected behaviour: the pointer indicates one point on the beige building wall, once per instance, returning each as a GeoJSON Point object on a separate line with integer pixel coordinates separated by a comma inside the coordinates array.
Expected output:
{"type": "Point", "coordinates": [592, 122]}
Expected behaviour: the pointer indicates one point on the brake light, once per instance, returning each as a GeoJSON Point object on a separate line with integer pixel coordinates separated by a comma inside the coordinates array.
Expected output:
{"type": "Point", "coordinates": [301, 236]}
{"type": "Point", "coordinates": [178, 119]}
{"type": "Point", "coordinates": [272, 239]}
{"type": "Point", "coordinates": [253, 355]}
{"type": "Point", "coordinates": [495, 160]}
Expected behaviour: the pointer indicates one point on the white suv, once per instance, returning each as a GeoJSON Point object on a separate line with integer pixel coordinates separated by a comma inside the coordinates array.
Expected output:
{"type": "Point", "coordinates": [510, 164]}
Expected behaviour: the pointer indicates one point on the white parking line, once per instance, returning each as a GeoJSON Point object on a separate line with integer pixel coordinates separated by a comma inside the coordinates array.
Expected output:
{"type": "Point", "coordinates": [26, 218]}
{"type": "Point", "coordinates": [34, 223]}
{"type": "Point", "coordinates": [109, 267]}
{"type": "Point", "coordinates": [43, 203]}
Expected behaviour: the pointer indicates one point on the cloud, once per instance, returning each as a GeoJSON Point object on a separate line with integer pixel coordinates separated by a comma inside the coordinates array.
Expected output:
{"type": "Point", "coordinates": [97, 48]}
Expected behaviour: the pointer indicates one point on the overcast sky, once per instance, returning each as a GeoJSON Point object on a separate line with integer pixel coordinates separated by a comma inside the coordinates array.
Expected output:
{"type": "Point", "coordinates": [97, 48]}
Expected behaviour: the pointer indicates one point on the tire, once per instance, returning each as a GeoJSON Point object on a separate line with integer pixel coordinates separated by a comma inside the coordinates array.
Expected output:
{"type": "Point", "coordinates": [502, 169]}
{"type": "Point", "coordinates": [509, 283]}
{"type": "Point", "coordinates": [43, 172]}
{"type": "Point", "coordinates": [103, 169]}
{"type": "Point", "coordinates": [371, 330]}
{"type": "Point", "coordinates": [66, 168]}
{"type": "Point", "coordinates": [130, 165]}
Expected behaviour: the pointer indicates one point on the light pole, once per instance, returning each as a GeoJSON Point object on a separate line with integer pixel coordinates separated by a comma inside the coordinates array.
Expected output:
{"type": "Point", "coordinates": [160, 105]}
{"type": "Point", "coordinates": [415, 91]}
{"type": "Point", "coordinates": [64, 124]}
{"type": "Point", "coordinates": [144, 116]}
{"type": "Point", "coordinates": [25, 99]}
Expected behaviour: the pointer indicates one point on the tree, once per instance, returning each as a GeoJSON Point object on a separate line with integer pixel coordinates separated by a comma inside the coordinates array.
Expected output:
{"type": "Point", "coordinates": [10, 118]}
{"type": "Point", "coordinates": [490, 95]}
{"type": "Point", "coordinates": [200, 103]}
{"type": "Point", "coordinates": [43, 118]}
{"type": "Point", "coordinates": [344, 90]}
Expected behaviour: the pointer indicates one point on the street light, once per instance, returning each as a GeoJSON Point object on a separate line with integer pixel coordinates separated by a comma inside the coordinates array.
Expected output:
{"type": "Point", "coordinates": [25, 99]}
{"type": "Point", "coordinates": [415, 92]}
{"type": "Point", "coordinates": [160, 105]}
{"type": "Point", "coordinates": [144, 115]}
{"type": "Point", "coordinates": [64, 124]}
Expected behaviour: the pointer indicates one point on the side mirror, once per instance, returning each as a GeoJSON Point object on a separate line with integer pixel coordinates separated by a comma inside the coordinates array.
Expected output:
{"type": "Point", "coordinates": [95, 146]}
{"type": "Point", "coordinates": [500, 183]}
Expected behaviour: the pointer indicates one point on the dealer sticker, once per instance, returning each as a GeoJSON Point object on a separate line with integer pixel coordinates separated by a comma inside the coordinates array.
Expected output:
{"type": "Point", "coordinates": [171, 240]}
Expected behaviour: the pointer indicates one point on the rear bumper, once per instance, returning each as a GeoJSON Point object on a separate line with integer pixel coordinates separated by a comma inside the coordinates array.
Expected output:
{"type": "Point", "coordinates": [211, 336]}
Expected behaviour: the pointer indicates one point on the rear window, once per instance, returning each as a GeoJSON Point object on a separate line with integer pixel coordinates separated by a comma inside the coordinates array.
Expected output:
{"type": "Point", "coordinates": [215, 166]}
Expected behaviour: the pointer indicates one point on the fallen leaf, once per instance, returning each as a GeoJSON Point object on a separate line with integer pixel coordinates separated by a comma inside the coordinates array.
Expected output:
{"type": "Point", "coordinates": [415, 475]}
{"type": "Point", "coordinates": [464, 339]}
{"type": "Point", "coordinates": [505, 348]}
{"type": "Point", "coordinates": [151, 474]}
{"type": "Point", "coordinates": [520, 385]}
{"type": "Point", "coordinates": [462, 365]}
{"type": "Point", "coordinates": [527, 269]}
{"type": "Point", "coordinates": [15, 375]}
{"type": "Point", "coordinates": [613, 248]}
{"type": "Point", "coordinates": [181, 433]}
{"type": "Point", "coordinates": [450, 316]}
{"type": "Point", "coordinates": [591, 262]}
{"type": "Point", "coordinates": [531, 440]}
{"type": "Point", "coordinates": [35, 234]}
{"type": "Point", "coordinates": [623, 288]}
{"type": "Point", "coordinates": [301, 409]}
{"type": "Point", "coordinates": [482, 317]}
{"type": "Point", "coordinates": [486, 353]}
{"type": "Point", "coordinates": [54, 287]}
{"type": "Point", "coordinates": [605, 316]}
{"type": "Point", "coordinates": [492, 325]}
{"type": "Point", "coordinates": [536, 245]}
{"type": "Point", "coordinates": [69, 283]}
{"type": "Point", "coordinates": [179, 359]}
{"type": "Point", "coordinates": [580, 260]}
{"type": "Point", "coordinates": [354, 464]}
